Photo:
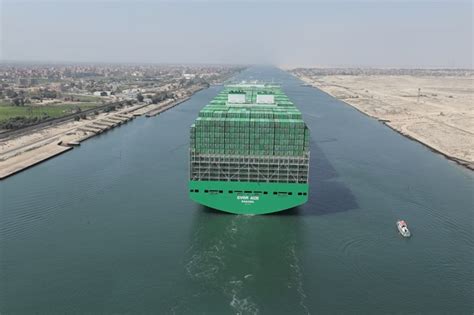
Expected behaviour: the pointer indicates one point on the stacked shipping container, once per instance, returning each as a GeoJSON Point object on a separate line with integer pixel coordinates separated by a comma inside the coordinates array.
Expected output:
{"type": "Point", "coordinates": [250, 129]}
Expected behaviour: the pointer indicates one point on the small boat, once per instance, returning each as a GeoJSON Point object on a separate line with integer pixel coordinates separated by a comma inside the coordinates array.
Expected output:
{"type": "Point", "coordinates": [403, 228]}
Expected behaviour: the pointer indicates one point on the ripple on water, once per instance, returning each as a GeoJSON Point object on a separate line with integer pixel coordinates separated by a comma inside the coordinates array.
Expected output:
{"type": "Point", "coordinates": [205, 264]}
{"type": "Point", "coordinates": [23, 216]}
{"type": "Point", "coordinates": [354, 248]}
{"type": "Point", "coordinates": [297, 277]}
{"type": "Point", "coordinates": [208, 267]}
{"type": "Point", "coordinates": [238, 303]}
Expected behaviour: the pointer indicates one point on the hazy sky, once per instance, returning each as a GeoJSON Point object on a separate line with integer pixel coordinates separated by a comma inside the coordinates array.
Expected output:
{"type": "Point", "coordinates": [291, 33]}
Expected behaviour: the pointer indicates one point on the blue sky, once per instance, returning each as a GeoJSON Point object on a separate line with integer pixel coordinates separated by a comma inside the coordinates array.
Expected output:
{"type": "Point", "coordinates": [288, 33]}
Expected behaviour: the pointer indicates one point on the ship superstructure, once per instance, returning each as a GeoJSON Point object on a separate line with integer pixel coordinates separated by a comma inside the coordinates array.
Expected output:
{"type": "Point", "coordinates": [249, 151]}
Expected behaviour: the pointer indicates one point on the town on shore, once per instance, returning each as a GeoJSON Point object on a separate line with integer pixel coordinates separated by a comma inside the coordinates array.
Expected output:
{"type": "Point", "coordinates": [47, 109]}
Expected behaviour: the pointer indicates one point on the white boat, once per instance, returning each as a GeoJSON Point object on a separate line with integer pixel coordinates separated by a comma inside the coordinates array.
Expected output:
{"type": "Point", "coordinates": [403, 228]}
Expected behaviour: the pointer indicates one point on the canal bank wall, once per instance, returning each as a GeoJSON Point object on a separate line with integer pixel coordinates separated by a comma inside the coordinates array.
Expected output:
{"type": "Point", "coordinates": [23, 157]}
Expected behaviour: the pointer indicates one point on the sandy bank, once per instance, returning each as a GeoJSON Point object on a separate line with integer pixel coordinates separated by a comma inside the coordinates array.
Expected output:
{"type": "Point", "coordinates": [21, 152]}
{"type": "Point", "coordinates": [437, 111]}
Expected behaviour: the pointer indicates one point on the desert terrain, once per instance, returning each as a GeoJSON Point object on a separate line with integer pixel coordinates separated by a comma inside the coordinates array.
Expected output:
{"type": "Point", "coordinates": [434, 109]}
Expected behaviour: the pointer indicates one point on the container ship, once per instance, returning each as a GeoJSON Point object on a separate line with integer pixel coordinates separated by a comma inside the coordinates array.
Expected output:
{"type": "Point", "coordinates": [249, 152]}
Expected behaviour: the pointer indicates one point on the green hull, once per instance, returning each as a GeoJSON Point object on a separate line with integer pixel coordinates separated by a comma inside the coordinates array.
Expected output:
{"type": "Point", "coordinates": [248, 197]}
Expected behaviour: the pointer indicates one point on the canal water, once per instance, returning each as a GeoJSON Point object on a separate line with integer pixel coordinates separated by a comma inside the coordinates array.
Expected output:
{"type": "Point", "coordinates": [109, 228]}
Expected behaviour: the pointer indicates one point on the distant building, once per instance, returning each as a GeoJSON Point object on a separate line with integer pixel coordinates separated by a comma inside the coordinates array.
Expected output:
{"type": "Point", "coordinates": [131, 93]}
{"type": "Point", "coordinates": [136, 90]}
{"type": "Point", "coordinates": [188, 76]}
{"type": "Point", "coordinates": [22, 82]}
{"type": "Point", "coordinates": [100, 93]}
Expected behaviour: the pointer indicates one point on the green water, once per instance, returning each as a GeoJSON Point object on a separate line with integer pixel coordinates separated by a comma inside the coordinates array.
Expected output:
{"type": "Point", "coordinates": [108, 227]}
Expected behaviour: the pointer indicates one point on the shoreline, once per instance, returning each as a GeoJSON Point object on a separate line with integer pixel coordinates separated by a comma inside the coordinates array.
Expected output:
{"type": "Point", "coordinates": [386, 122]}
{"type": "Point", "coordinates": [464, 163]}
{"type": "Point", "coordinates": [35, 162]}
{"type": "Point", "coordinates": [65, 136]}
